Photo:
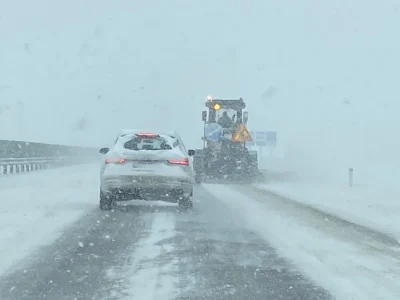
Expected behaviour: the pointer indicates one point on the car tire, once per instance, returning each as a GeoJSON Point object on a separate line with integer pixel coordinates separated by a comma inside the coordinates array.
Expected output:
{"type": "Point", "coordinates": [186, 203]}
{"type": "Point", "coordinates": [106, 201]}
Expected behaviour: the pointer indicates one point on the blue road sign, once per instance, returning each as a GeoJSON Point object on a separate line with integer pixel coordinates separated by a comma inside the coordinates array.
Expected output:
{"type": "Point", "coordinates": [271, 137]}
{"type": "Point", "coordinates": [213, 132]}
{"type": "Point", "coordinates": [261, 138]}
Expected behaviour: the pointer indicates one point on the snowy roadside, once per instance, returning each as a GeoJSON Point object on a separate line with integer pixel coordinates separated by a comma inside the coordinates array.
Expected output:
{"type": "Point", "coordinates": [338, 257]}
{"type": "Point", "coordinates": [374, 207]}
{"type": "Point", "coordinates": [36, 207]}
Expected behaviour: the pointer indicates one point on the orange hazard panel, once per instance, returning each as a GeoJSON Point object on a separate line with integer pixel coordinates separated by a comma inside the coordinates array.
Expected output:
{"type": "Point", "coordinates": [242, 134]}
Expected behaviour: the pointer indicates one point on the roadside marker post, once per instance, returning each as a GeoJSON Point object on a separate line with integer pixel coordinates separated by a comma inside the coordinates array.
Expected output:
{"type": "Point", "coordinates": [351, 174]}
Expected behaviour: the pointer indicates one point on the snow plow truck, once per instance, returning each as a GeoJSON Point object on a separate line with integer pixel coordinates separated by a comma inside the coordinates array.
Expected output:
{"type": "Point", "coordinates": [224, 156]}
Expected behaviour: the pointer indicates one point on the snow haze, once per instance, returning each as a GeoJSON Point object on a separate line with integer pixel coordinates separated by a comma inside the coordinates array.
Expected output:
{"type": "Point", "coordinates": [321, 73]}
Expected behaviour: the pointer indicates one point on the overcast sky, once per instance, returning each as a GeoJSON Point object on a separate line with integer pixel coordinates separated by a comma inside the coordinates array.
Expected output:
{"type": "Point", "coordinates": [324, 74]}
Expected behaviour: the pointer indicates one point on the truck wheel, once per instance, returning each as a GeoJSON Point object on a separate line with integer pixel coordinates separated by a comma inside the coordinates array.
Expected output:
{"type": "Point", "coordinates": [186, 203]}
{"type": "Point", "coordinates": [106, 201]}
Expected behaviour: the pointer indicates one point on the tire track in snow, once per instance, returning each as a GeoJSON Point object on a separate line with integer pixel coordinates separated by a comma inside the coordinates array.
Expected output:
{"type": "Point", "coordinates": [151, 272]}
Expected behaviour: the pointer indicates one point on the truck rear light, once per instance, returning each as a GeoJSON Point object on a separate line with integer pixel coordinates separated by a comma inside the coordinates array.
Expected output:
{"type": "Point", "coordinates": [182, 162]}
{"type": "Point", "coordinates": [115, 161]}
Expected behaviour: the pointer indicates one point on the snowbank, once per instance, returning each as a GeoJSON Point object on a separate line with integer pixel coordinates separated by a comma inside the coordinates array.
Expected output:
{"type": "Point", "coordinates": [373, 206]}
{"type": "Point", "coordinates": [350, 266]}
{"type": "Point", "coordinates": [36, 207]}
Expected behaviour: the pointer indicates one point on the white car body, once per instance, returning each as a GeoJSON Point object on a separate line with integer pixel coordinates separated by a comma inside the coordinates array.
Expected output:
{"type": "Point", "coordinates": [132, 171]}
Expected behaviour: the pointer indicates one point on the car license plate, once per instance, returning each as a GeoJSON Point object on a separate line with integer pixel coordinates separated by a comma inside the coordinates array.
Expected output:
{"type": "Point", "coordinates": [142, 170]}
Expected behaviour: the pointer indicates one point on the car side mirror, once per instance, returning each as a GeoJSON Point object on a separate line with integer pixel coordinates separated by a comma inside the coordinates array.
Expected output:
{"type": "Point", "coordinates": [191, 152]}
{"type": "Point", "coordinates": [104, 150]}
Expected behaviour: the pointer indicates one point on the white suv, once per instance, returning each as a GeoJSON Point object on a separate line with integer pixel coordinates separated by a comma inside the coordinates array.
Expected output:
{"type": "Point", "coordinates": [148, 166]}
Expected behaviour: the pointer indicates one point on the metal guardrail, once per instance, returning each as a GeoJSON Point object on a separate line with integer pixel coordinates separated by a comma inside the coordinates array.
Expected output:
{"type": "Point", "coordinates": [20, 156]}
{"type": "Point", "coordinates": [20, 165]}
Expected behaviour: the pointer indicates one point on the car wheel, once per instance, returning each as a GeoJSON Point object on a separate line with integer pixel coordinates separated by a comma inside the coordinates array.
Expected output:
{"type": "Point", "coordinates": [106, 201]}
{"type": "Point", "coordinates": [186, 203]}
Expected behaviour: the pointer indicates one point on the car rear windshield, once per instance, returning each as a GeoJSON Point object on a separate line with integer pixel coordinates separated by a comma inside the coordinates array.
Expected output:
{"type": "Point", "coordinates": [145, 143]}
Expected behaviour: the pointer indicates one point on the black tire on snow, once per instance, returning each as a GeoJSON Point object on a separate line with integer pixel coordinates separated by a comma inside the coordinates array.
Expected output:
{"type": "Point", "coordinates": [106, 201]}
{"type": "Point", "coordinates": [186, 203]}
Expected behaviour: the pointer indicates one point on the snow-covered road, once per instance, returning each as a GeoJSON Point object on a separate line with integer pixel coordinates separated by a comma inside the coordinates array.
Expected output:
{"type": "Point", "coordinates": [238, 243]}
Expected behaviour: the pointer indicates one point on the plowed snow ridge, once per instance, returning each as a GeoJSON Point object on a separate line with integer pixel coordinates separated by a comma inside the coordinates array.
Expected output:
{"type": "Point", "coordinates": [344, 266]}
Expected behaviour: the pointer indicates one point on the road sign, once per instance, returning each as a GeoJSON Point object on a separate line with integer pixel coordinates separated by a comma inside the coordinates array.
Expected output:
{"type": "Point", "coordinates": [271, 138]}
{"type": "Point", "coordinates": [213, 132]}
{"type": "Point", "coordinates": [261, 138]}
{"type": "Point", "coordinates": [241, 134]}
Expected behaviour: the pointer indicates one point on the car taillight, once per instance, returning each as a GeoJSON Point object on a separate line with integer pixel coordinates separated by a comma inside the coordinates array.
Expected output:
{"type": "Point", "coordinates": [115, 161]}
{"type": "Point", "coordinates": [182, 162]}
